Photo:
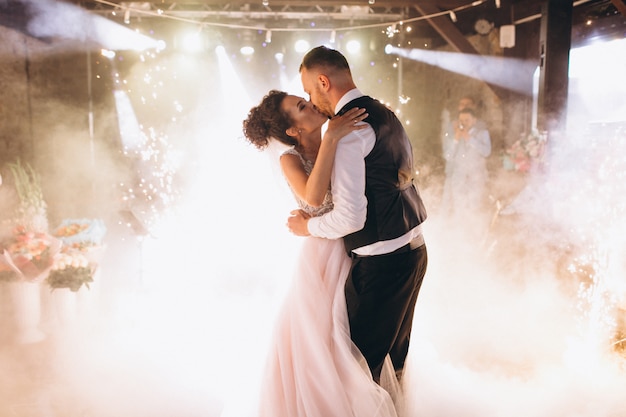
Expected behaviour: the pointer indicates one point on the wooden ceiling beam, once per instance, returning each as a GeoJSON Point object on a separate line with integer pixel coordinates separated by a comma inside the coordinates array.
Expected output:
{"type": "Point", "coordinates": [620, 6]}
{"type": "Point", "coordinates": [296, 3]}
{"type": "Point", "coordinates": [446, 29]}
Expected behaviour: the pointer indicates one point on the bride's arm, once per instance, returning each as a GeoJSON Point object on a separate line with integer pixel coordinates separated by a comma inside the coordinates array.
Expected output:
{"type": "Point", "coordinates": [317, 183]}
{"type": "Point", "coordinates": [338, 127]}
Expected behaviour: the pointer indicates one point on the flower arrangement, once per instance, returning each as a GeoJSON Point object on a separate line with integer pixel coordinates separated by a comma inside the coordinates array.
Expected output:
{"type": "Point", "coordinates": [78, 260]}
{"type": "Point", "coordinates": [71, 270]}
{"type": "Point", "coordinates": [27, 255]}
{"type": "Point", "coordinates": [521, 155]}
{"type": "Point", "coordinates": [31, 214]}
{"type": "Point", "coordinates": [81, 232]}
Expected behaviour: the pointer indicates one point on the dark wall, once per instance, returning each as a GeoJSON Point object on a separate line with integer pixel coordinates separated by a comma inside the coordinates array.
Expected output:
{"type": "Point", "coordinates": [50, 93]}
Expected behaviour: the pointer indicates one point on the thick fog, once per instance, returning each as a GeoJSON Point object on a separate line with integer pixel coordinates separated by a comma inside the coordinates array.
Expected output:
{"type": "Point", "coordinates": [521, 321]}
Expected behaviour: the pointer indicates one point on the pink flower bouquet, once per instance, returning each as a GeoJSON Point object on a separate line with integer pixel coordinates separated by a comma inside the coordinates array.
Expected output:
{"type": "Point", "coordinates": [28, 255]}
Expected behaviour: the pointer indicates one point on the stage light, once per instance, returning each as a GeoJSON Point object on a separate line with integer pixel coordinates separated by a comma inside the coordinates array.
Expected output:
{"type": "Point", "coordinates": [107, 53]}
{"type": "Point", "coordinates": [161, 45]}
{"type": "Point", "coordinates": [247, 38]}
{"type": "Point", "coordinates": [192, 42]}
{"type": "Point", "coordinates": [353, 46]}
{"type": "Point", "coordinates": [247, 50]}
{"type": "Point", "coordinates": [301, 46]}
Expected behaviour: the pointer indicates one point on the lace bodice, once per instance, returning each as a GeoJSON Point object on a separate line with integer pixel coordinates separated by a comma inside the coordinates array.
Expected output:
{"type": "Point", "coordinates": [326, 206]}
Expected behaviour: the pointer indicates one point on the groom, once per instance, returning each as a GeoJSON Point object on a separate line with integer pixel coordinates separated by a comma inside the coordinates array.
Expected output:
{"type": "Point", "coordinates": [377, 211]}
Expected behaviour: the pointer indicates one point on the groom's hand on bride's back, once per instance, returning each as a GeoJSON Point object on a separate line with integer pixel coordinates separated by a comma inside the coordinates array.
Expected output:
{"type": "Point", "coordinates": [297, 223]}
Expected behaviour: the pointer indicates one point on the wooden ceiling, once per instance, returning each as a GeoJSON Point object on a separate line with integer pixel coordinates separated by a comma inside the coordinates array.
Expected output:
{"type": "Point", "coordinates": [280, 14]}
{"type": "Point", "coordinates": [442, 21]}
{"type": "Point", "coordinates": [274, 12]}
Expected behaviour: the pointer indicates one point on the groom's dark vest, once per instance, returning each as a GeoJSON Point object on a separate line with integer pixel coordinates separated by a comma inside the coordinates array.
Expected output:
{"type": "Point", "coordinates": [394, 205]}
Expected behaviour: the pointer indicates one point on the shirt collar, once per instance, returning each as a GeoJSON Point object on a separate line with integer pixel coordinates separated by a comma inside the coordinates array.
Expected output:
{"type": "Point", "coordinates": [348, 97]}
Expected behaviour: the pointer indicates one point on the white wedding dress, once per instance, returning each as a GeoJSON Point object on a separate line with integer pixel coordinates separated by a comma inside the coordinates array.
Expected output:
{"type": "Point", "coordinates": [313, 369]}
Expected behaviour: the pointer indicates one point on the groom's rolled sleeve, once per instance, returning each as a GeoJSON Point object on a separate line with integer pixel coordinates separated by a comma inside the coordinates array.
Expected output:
{"type": "Point", "coordinates": [348, 188]}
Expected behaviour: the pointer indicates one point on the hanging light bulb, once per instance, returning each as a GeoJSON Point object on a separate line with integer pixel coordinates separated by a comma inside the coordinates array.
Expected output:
{"type": "Point", "coordinates": [268, 36]}
{"type": "Point", "coordinates": [266, 3]}
{"type": "Point", "coordinates": [452, 16]}
{"type": "Point", "coordinates": [246, 50]}
{"type": "Point", "coordinates": [333, 36]}
{"type": "Point", "coordinates": [247, 38]}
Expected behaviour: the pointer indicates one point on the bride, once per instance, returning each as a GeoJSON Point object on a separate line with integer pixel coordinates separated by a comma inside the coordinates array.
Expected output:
{"type": "Point", "coordinates": [313, 369]}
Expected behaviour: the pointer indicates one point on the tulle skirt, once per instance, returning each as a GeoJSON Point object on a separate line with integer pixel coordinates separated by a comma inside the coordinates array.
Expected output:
{"type": "Point", "coordinates": [313, 369]}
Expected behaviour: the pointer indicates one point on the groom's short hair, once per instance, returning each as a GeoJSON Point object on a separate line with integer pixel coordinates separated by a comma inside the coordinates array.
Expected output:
{"type": "Point", "coordinates": [323, 56]}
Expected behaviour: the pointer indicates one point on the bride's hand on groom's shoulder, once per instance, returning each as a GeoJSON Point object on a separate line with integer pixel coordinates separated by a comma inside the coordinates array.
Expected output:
{"type": "Point", "coordinates": [340, 125]}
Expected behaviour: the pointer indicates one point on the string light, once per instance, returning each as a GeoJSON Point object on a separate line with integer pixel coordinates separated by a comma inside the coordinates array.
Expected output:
{"type": "Point", "coordinates": [393, 24]}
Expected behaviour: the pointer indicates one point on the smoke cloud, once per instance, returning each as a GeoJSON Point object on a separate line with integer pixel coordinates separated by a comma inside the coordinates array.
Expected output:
{"type": "Point", "coordinates": [521, 322]}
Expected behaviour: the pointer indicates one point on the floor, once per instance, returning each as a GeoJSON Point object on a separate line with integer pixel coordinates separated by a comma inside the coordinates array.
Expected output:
{"type": "Point", "coordinates": [486, 342]}
{"type": "Point", "coordinates": [30, 385]}
{"type": "Point", "coordinates": [82, 365]}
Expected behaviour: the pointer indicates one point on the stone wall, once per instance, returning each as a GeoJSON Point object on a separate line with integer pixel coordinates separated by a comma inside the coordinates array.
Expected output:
{"type": "Point", "coordinates": [15, 135]}
{"type": "Point", "coordinates": [50, 91]}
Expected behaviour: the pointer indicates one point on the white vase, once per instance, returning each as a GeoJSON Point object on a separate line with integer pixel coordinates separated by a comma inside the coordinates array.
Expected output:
{"type": "Point", "coordinates": [25, 298]}
{"type": "Point", "coordinates": [64, 301]}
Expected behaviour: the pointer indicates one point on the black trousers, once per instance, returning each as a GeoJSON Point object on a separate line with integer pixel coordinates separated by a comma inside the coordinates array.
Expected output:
{"type": "Point", "coordinates": [381, 292]}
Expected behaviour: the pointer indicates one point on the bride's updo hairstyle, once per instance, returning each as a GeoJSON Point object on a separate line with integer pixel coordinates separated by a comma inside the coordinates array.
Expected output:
{"type": "Point", "coordinates": [267, 120]}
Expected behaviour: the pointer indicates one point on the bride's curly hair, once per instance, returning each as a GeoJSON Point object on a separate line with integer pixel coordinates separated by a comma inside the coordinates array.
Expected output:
{"type": "Point", "coordinates": [267, 120]}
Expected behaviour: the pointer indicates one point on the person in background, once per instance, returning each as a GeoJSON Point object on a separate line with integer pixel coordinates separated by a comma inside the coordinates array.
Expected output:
{"type": "Point", "coordinates": [466, 151]}
{"type": "Point", "coordinates": [450, 121]}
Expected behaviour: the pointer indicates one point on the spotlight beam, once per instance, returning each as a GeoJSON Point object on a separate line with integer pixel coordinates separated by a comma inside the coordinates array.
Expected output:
{"type": "Point", "coordinates": [53, 19]}
{"type": "Point", "coordinates": [509, 73]}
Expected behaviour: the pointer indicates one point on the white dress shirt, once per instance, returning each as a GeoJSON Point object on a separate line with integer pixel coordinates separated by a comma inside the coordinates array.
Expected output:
{"type": "Point", "coordinates": [348, 190]}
